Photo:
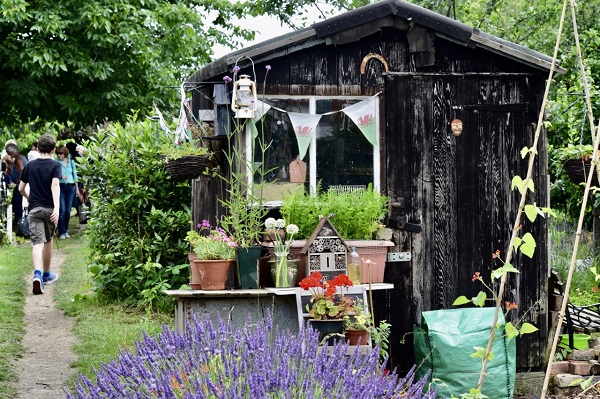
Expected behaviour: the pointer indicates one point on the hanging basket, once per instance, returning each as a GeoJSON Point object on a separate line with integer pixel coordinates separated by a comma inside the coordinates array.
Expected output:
{"type": "Point", "coordinates": [187, 167]}
{"type": "Point", "coordinates": [579, 169]}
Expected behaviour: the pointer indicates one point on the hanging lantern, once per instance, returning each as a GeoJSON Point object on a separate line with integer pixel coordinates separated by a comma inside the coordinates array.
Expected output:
{"type": "Point", "coordinates": [244, 98]}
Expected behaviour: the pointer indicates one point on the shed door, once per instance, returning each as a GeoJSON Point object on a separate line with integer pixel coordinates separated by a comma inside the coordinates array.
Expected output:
{"type": "Point", "coordinates": [457, 188]}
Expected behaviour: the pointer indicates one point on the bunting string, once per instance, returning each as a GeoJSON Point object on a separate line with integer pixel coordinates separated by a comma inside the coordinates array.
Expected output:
{"type": "Point", "coordinates": [305, 125]}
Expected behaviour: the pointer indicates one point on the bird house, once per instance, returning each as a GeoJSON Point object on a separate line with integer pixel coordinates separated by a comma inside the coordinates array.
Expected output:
{"type": "Point", "coordinates": [325, 251]}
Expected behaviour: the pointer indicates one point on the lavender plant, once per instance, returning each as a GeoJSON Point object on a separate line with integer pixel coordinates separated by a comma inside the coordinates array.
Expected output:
{"type": "Point", "coordinates": [255, 361]}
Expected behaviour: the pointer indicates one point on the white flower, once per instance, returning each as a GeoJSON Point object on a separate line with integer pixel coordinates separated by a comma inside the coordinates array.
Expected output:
{"type": "Point", "coordinates": [291, 229]}
{"type": "Point", "coordinates": [280, 223]}
{"type": "Point", "coordinates": [270, 223]}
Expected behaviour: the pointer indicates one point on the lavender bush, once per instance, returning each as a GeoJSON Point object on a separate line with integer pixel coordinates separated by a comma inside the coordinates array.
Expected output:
{"type": "Point", "coordinates": [251, 362]}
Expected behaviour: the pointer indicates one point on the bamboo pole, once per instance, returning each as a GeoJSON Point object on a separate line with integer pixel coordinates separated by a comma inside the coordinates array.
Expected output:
{"type": "Point", "coordinates": [583, 204]}
{"type": "Point", "coordinates": [515, 229]}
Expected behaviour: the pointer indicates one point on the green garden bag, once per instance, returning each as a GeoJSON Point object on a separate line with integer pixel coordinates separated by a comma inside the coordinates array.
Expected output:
{"type": "Point", "coordinates": [445, 342]}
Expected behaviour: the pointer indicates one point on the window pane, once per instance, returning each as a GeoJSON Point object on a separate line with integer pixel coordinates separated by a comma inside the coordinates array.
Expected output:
{"type": "Point", "coordinates": [344, 155]}
{"type": "Point", "coordinates": [278, 130]}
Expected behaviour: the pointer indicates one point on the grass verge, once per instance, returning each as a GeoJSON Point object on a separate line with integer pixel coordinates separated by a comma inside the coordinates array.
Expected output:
{"type": "Point", "coordinates": [15, 263]}
{"type": "Point", "coordinates": [102, 329]}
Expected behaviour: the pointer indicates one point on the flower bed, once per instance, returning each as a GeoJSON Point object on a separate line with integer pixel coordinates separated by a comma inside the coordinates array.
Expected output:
{"type": "Point", "coordinates": [254, 361]}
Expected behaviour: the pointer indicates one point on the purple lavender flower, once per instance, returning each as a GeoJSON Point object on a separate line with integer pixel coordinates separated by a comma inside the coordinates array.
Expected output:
{"type": "Point", "coordinates": [256, 361]}
{"type": "Point", "coordinates": [227, 79]}
{"type": "Point", "coordinates": [236, 69]}
{"type": "Point", "coordinates": [268, 67]}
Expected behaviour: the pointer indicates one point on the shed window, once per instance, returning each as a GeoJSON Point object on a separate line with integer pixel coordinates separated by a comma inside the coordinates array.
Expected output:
{"type": "Point", "coordinates": [338, 155]}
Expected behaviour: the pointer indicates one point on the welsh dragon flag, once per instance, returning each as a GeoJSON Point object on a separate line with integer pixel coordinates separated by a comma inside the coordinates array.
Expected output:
{"type": "Point", "coordinates": [305, 126]}
{"type": "Point", "coordinates": [363, 115]}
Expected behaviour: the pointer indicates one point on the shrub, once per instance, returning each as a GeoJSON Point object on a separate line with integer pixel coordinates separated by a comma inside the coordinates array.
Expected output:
{"type": "Point", "coordinates": [254, 361]}
{"type": "Point", "coordinates": [140, 216]}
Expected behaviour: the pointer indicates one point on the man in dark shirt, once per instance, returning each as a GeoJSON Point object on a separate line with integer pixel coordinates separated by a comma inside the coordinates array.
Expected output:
{"type": "Point", "coordinates": [42, 174]}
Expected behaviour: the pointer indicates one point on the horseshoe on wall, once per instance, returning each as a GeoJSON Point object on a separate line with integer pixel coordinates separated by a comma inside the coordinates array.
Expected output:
{"type": "Point", "coordinates": [363, 64]}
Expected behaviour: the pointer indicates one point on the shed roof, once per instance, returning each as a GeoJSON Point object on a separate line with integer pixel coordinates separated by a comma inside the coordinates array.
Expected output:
{"type": "Point", "coordinates": [387, 12]}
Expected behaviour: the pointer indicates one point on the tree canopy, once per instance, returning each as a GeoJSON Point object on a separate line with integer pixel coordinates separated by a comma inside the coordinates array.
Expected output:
{"type": "Point", "coordinates": [99, 59]}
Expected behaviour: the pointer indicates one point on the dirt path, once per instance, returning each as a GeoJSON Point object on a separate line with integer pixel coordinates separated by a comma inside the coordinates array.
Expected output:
{"type": "Point", "coordinates": [48, 342]}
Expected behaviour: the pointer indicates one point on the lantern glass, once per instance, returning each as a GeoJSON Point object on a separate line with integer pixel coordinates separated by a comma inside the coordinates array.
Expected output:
{"type": "Point", "coordinates": [244, 97]}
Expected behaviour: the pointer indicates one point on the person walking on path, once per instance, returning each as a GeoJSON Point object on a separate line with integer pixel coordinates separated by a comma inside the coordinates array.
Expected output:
{"type": "Point", "coordinates": [68, 190]}
{"type": "Point", "coordinates": [43, 175]}
{"type": "Point", "coordinates": [18, 164]}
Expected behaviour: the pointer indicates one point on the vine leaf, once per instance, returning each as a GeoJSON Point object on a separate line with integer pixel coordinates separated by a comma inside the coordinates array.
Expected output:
{"type": "Point", "coordinates": [461, 300]}
{"type": "Point", "coordinates": [511, 331]}
{"type": "Point", "coordinates": [528, 328]}
{"type": "Point", "coordinates": [528, 245]}
{"type": "Point", "coordinates": [479, 300]}
{"type": "Point", "coordinates": [531, 211]}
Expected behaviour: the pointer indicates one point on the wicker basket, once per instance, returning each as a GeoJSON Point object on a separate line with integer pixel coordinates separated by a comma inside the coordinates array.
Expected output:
{"type": "Point", "coordinates": [187, 167]}
{"type": "Point", "coordinates": [578, 170]}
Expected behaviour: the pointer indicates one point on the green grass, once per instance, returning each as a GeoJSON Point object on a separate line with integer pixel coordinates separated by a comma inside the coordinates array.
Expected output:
{"type": "Point", "coordinates": [102, 329]}
{"type": "Point", "coordinates": [15, 263]}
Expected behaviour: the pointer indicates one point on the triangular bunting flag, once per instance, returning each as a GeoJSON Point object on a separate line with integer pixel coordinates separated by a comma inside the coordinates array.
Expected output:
{"type": "Point", "coordinates": [363, 115]}
{"type": "Point", "coordinates": [305, 126]}
{"type": "Point", "coordinates": [261, 109]}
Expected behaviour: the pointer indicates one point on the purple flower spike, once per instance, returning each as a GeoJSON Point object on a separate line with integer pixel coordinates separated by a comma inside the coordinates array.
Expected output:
{"type": "Point", "coordinates": [227, 79]}
{"type": "Point", "coordinates": [236, 69]}
{"type": "Point", "coordinates": [268, 67]}
{"type": "Point", "coordinates": [256, 360]}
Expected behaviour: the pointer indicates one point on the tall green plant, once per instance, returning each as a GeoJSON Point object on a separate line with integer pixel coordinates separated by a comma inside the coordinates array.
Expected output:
{"type": "Point", "coordinates": [140, 216]}
{"type": "Point", "coordinates": [244, 200]}
{"type": "Point", "coordinates": [355, 214]}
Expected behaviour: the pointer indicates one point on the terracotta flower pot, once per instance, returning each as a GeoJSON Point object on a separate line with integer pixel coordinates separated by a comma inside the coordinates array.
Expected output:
{"type": "Point", "coordinates": [194, 275]}
{"type": "Point", "coordinates": [353, 337]}
{"type": "Point", "coordinates": [213, 273]}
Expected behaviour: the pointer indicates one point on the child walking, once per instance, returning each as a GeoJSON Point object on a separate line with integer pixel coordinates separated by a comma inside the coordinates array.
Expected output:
{"type": "Point", "coordinates": [43, 176]}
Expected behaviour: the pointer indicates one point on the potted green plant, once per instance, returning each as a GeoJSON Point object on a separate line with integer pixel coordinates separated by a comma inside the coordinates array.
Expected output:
{"type": "Point", "coordinates": [361, 325]}
{"type": "Point", "coordinates": [357, 216]}
{"type": "Point", "coordinates": [244, 177]}
{"type": "Point", "coordinates": [193, 237]}
{"type": "Point", "coordinates": [327, 307]}
{"type": "Point", "coordinates": [575, 159]}
{"type": "Point", "coordinates": [358, 325]}
{"type": "Point", "coordinates": [184, 161]}
{"type": "Point", "coordinates": [215, 253]}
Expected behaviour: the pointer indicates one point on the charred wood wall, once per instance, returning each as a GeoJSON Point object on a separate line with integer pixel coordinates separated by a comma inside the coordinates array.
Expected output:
{"type": "Point", "coordinates": [457, 188]}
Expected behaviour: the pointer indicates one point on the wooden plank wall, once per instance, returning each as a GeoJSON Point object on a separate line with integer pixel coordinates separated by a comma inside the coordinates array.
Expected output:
{"type": "Point", "coordinates": [457, 188]}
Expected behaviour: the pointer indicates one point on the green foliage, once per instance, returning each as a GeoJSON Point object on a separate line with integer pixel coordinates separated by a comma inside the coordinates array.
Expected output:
{"type": "Point", "coordinates": [137, 234]}
{"type": "Point", "coordinates": [561, 233]}
{"type": "Point", "coordinates": [102, 329]}
{"type": "Point", "coordinates": [171, 151]}
{"type": "Point", "coordinates": [99, 59]}
{"type": "Point", "coordinates": [356, 215]}
{"type": "Point", "coordinates": [14, 263]}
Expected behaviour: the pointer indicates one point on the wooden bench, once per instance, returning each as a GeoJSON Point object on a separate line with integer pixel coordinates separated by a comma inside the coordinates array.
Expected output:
{"type": "Point", "coordinates": [584, 319]}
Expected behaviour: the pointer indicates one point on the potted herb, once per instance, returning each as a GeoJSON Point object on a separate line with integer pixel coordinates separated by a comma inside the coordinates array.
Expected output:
{"type": "Point", "coordinates": [356, 214]}
{"type": "Point", "coordinates": [357, 217]}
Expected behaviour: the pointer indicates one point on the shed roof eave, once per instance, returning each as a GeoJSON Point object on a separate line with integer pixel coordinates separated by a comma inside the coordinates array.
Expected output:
{"type": "Point", "coordinates": [511, 50]}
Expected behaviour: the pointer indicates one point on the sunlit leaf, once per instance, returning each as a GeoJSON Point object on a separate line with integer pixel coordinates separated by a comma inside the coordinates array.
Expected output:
{"type": "Point", "coordinates": [461, 300]}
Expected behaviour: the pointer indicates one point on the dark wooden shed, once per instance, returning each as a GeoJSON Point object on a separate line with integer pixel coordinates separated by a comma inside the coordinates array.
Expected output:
{"type": "Point", "coordinates": [451, 201]}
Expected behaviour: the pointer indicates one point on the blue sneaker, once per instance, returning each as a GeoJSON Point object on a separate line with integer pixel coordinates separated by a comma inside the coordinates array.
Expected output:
{"type": "Point", "coordinates": [38, 284]}
{"type": "Point", "coordinates": [49, 277]}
